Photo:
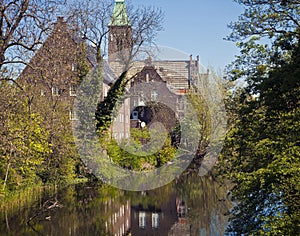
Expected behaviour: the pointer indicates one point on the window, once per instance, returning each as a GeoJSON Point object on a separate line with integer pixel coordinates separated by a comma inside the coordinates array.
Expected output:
{"type": "Point", "coordinates": [154, 95]}
{"type": "Point", "coordinates": [43, 92]}
{"type": "Point", "coordinates": [74, 67]}
{"type": "Point", "coordinates": [135, 115]}
{"type": "Point", "coordinates": [73, 89]}
{"type": "Point", "coordinates": [180, 103]}
{"type": "Point", "coordinates": [141, 100]}
{"type": "Point", "coordinates": [155, 220]}
{"type": "Point", "coordinates": [55, 91]}
{"type": "Point", "coordinates": [142, 220]}
{"type": "Point", "coordinates": [73, 115]}
{"type": "Point", "coordinates": [105, 91]}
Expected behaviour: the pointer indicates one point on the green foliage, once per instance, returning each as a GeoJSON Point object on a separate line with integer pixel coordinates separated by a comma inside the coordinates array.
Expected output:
{"type": "Point", "coordinates": [265, 33]}
{"type": "Point", "coordinates": [134, 157]}
{"type": "Point", "coordinates": [59, 166]}
{"type": "Point", "coordinates": [261, 154]}
{"type": "Point", "coordinates": [36, 140]}
{"type": "Point", "coordinates": [106, 108]}
{"type": "Point", "coordinates": [83, 67]}
{"type": "Point", "coordinates": [24, 143]}
{"type": "Point", "coordinates": [262, 159]}
{"type": "Point", "coordinates": [204, 120]}
{"type": "Point", "coordinates": [270, 18]}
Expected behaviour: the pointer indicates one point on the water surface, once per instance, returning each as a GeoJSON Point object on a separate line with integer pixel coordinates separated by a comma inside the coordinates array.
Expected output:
{"type": "Point", "coordinates": [191, 205]}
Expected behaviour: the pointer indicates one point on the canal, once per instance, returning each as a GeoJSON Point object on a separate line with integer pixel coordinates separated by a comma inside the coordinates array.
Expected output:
{"type": "Point", "coordinates": [190, 205]}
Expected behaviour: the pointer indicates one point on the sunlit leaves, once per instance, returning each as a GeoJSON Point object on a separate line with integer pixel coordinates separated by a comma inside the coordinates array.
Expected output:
{"type": "Point", "coordinates": [261, 154]}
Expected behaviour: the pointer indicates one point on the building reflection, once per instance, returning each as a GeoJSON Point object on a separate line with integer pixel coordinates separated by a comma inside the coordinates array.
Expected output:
{"type": "Point", "coordinates": [182, 226]}
{"type": "Point", "coordinates": [175, 210]}
{"type": "Point", "coordinates": [152, 219]}
{"type": "Point", "coordinates": [119, 221]}
{"type": "Point", "coordinates": [170, 218]}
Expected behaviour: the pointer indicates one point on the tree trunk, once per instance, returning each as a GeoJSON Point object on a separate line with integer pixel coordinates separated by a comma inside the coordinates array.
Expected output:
{"type": "Point", "coordinates": [6, 176]}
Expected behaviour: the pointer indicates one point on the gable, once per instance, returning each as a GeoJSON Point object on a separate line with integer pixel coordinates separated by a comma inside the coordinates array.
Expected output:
{"type": "Point", "coordinates": [56, 59]}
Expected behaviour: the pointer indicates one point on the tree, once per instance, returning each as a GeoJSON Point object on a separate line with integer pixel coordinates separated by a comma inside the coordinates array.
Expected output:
{"type": "Point", "coordinates": [136, 156]}
{"type": "Point", "coordinates": [261, 154]}
{"type": "Point", "coordinates": [91, 19]}
{"type": "Point", "coordinates": [105, 108]}
{"type": "Point", "coordinates": [261, 157]}
{"type": "Point", "coordinates": [23, 26]}
{"type": "Point", "coordinates": [265, 33]}
{"type": "Point", "coordinates": [24, 141]}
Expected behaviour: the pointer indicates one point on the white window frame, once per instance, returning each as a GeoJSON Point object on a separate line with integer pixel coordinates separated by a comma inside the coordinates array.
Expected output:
{"type": "Point", "coordinates": [142, 219]}
{"type": "Point", "coordinates": [43, 92]}
{"type": "Point", "coordinates": [155, 220]}
{"type": "Point", "coordinates": [74, 67]}
{"type": "Point", "coordinates": [55, 91]}
{"type": "Point", "coordinates": [73, 115]}
{"type": "Point", "coordinates": [73, 89]}
{"type": "Point", "coordinates": [154, 95]}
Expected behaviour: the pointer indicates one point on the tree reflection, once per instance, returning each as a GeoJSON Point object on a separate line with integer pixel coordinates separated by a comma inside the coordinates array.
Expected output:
{"type": "Point", "coordinates": [189, 205]}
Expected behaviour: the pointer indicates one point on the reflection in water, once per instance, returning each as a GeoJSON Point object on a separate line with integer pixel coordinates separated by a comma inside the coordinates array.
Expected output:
{"type": "Point", "coordinates": [189, 206]}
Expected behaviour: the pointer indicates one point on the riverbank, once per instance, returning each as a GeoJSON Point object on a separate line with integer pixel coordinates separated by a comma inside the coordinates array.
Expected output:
{"type": "Point", "coordinates": [31, 193]}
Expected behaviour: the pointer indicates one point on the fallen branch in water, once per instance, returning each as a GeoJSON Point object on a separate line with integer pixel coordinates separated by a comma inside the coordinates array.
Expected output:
{"type": "Point", "coordinates": [48, 205]}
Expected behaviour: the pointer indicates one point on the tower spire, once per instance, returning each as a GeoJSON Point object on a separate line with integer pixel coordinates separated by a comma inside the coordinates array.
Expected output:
{"type": "Point", "coordinates": [120, 34]}
{"type": "Point", "coordinates": [119, 16]}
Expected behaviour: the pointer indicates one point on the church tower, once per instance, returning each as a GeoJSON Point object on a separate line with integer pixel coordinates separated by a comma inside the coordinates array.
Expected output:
{"type": "Point", "coordinates": [120, 34]}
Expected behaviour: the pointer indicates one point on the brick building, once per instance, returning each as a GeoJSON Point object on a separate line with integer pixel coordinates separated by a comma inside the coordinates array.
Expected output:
{"type": "Point", "coordinates": [53, 74]}
{"type": "Point", "coordinates": [161, 80]}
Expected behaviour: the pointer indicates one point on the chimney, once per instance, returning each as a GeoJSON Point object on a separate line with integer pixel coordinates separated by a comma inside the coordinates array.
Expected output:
{"type": "Point", "coordinates": [60, 19]}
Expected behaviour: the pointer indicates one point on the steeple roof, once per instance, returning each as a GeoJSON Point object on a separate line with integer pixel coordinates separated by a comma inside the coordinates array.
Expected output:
{"type": "Point", "coordinates": [119, 16]}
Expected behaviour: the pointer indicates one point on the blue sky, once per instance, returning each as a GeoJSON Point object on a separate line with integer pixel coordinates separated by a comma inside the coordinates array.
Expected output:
{"type": "Point", "coordinates": [198, 27]}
